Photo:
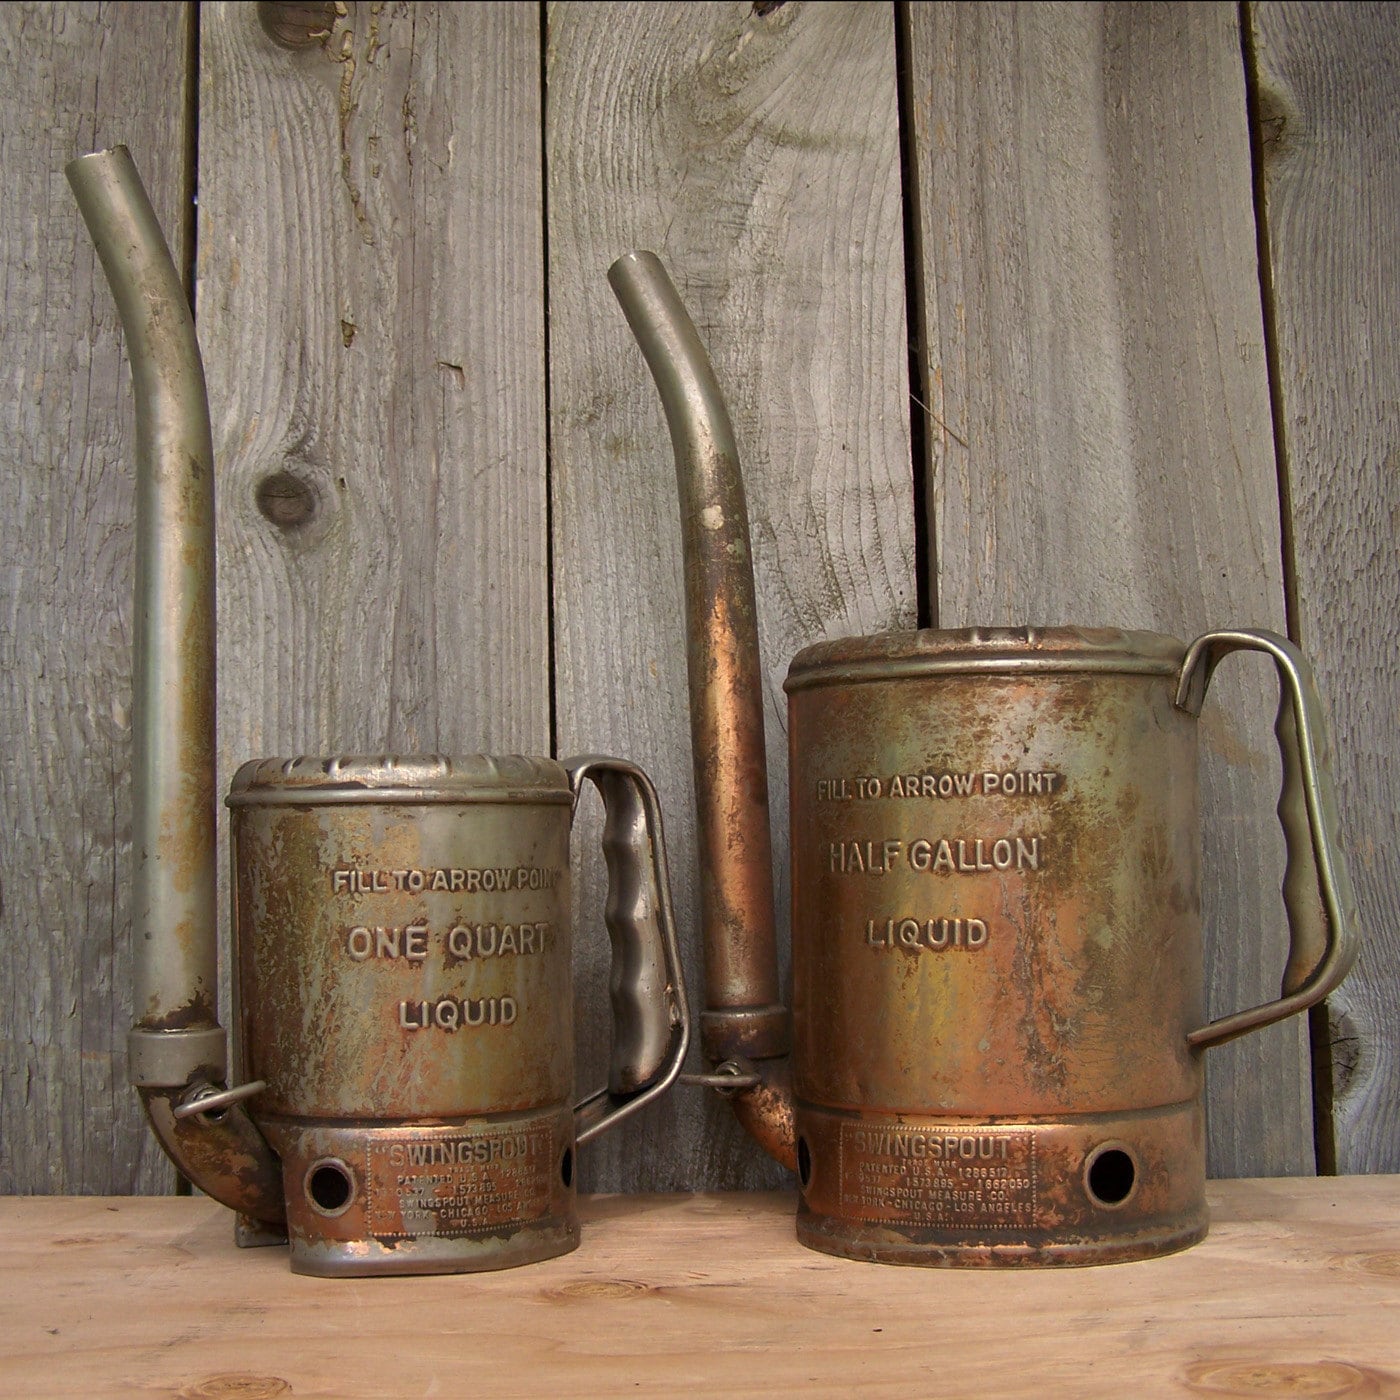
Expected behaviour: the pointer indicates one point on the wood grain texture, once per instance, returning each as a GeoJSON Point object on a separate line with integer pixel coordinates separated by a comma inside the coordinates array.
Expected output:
{"type": "Point", "coordinates": [709, 134]}
{"type": "Point", "coordinates": [79, 77]}
{"type": "Point", "coordinates": [1099, 438]}
{"type": "Point", "coordinates": [1292, 1293]}
{"type": "Point", "coordinates": [1328, 82]}
{"type": "Point", "coordinates": [371, 308]}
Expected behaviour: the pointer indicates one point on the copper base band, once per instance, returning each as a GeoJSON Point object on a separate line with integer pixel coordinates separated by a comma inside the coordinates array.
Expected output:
{"type": "Point", "coordinates": [407, 1199]}
{"type": "Point", "coordinates": [1093, 1189]}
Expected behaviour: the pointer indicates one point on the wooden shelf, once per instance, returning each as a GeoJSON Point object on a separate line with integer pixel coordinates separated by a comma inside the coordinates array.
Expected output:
{"type": "Point", "coordinates": [1295, 1292]}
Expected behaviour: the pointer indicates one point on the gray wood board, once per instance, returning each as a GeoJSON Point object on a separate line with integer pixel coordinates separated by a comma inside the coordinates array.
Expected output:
{"type": "Point", "coordinates": [370, 300]}
{"type": "Point", "coordinates": [81, 77]}
{"type": "Point", "coordinates": [1328, 78]}
{"type": "Point", "coordinates": [710, 135]}
{"type": "Point", "coordinates": [1099, 424]}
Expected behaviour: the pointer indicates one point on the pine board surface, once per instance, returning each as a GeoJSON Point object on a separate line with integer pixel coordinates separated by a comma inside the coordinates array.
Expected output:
{"type": "Point", "coordinates": [1292, 1293]}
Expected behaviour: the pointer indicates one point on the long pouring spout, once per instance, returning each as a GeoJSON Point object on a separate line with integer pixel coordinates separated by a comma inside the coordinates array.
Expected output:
{"type": "Point", "coordinates": [176, 1049]}
{"type": "Point", "coordinates": [745, 1023]}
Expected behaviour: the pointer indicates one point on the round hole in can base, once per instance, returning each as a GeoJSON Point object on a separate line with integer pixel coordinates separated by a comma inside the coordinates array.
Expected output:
{"type": "Point", "coordinates": [566, 1167]}
{"type": "Point", "coordinates": [1110, 1175]}
{"type": "Point", "coordinates": [329, 1186]}
{"type": "Point", "coordinates": [804, 1163]}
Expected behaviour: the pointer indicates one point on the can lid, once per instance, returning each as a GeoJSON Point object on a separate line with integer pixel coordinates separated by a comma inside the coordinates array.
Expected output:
{"type": "Point", "coordinates": [413, 778]}
{"type": "Point", "coordinates": [983, 650]}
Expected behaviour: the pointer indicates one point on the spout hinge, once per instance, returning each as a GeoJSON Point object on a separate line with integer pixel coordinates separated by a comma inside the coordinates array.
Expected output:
{"type": "Point", "coordinates": [171, 1059]}
{"type": "Point", "coordinates": [745, 1032]}
{"type": "Point", "coordinates": [220, 1151]}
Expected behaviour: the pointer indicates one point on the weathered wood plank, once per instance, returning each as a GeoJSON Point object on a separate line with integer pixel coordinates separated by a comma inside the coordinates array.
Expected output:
{"type": "Point", "coordinates": [709, 133]}
{"type": "Point", "coordinates": [1292, 1293]}
{"type": "Point", "coordinates": [1329, 79]}
{"type": "Point", "coordinates": [371, 308]}
{"type": "Point", "coordinates": [79, 77]}
{"type": "Point", "coordinates": [1099, 444]}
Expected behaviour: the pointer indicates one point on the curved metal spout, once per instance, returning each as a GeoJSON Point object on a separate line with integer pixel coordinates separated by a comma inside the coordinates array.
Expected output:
{"type": "Point", "coordinates": [744, 1017]}
{"type": "Point", "coordinates": [176, 1041]}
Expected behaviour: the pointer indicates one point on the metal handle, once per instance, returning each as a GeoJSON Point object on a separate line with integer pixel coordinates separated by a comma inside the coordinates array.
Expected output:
{"type": "Point", "coordinates": [207, 1099]}
{"type": "Point", "coordinates": [1317, 891]}
{"type": "Point", "coordinates": [651, 1020]}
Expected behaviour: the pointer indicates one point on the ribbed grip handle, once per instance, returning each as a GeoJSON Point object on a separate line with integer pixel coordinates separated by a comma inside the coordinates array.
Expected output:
{"type": "Point", "coordinates": [651, 1022]}
{"type": "Point", "coordinates": [1317, 891]}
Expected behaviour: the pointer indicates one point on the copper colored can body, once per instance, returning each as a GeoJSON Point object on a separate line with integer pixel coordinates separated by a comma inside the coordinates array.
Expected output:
{"type": "Point", "coordinates": [997, 959]}
{"type": "Point", "coordinates": [403, 945]}
{"type": "Point", "coordinates": [996, 946]}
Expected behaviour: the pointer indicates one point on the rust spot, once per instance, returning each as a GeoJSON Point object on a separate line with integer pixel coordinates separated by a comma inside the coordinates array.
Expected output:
{"type": "Point", "coordinates": [195, 1014]}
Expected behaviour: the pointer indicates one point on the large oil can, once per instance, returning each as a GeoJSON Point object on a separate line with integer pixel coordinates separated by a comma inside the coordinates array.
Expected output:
{"type": "Point", "coordinates": [995, 1051]}
{"type": "Point", "coordinates": [998, 999]}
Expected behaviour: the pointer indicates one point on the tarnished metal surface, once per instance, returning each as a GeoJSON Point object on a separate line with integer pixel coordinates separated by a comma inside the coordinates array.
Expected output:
{"type": "Point", "coordinates": [744, 1014]}
{"type": "Point", "coordinates": [997, 947]}
{"type": "Point", "coordinates": [726, 691]}
{"type": "Point", "coordinates": [224, 1154]}
{"type": "Point", "coordinates": [402, 941]}
{"type": "Point", "coordinates": [175, 963]}
{"type": "Point", "coordinates": [176, 1046]}
{"type": "Point", "coordinates": [402, 938]}
{"type": "Point", "coordinates": [994, 878]}
{"type": "Point", "coordinates": [651, 1018]}
{"type": "Point", "coordinates": [766, 1112]}
{"type": "Point", "coordinates": [993, 1191]}
{"type": "Point", "coordinates": [1323, 926]}
{"type": "Point", "coordinates": [392, 938]}
{"type": "Point", "coordinates": [403, 945]}
{"type": "Point", "coordinates": [477, 1193]}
